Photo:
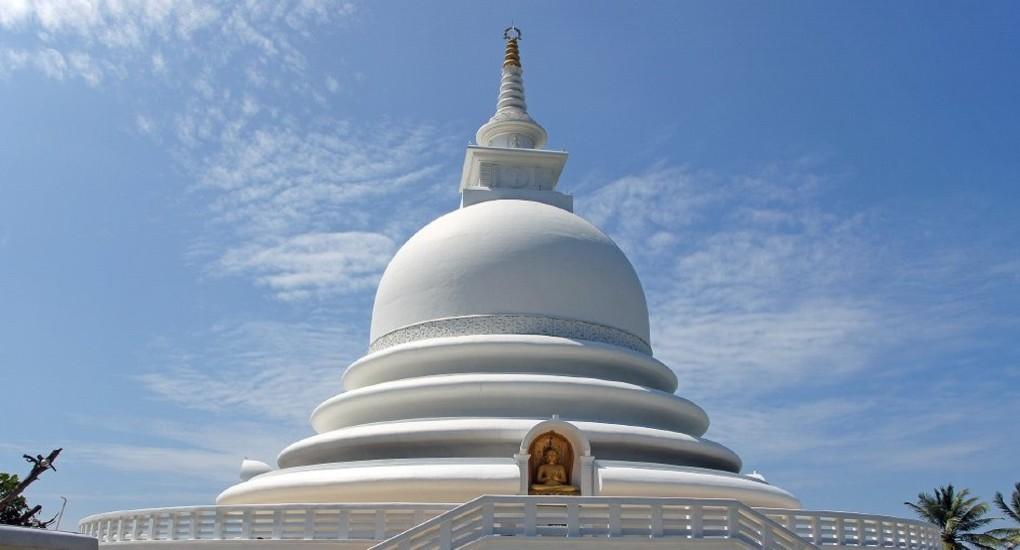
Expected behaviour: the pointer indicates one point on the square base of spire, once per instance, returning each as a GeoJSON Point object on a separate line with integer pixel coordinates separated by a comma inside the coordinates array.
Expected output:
{"type": "Point", "coordinates": [508, 168]}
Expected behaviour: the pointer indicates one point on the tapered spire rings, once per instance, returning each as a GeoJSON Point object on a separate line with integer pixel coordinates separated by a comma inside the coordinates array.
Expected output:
{"type": "Point", "coordinates": [513, 56]}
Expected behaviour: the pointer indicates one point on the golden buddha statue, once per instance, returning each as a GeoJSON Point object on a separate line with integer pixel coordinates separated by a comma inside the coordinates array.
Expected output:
{"type": "Point", "coordinates": [551, 477]}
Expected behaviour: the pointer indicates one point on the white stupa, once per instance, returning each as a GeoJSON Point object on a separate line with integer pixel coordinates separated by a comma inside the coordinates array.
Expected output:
{"type": "Point", "coordinates": [501, 321]}
{"type": "Point", "coordinates": [509, 356]}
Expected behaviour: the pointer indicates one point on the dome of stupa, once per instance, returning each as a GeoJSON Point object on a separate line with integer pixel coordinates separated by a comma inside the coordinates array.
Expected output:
{"type": "Point", "coordinates": [511, 266]}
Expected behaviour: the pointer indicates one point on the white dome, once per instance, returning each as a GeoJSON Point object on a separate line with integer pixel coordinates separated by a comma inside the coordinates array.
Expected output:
{"type": "Point", "coordinates": [511, 266]}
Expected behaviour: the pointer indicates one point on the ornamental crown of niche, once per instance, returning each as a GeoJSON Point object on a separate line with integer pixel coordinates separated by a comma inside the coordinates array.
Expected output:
{"type": "Point", "coordinates": [508, 161]}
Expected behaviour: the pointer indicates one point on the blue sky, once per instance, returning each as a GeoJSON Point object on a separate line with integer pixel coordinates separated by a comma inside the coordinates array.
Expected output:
{"type": "Point", "coordinates": [197, 199]}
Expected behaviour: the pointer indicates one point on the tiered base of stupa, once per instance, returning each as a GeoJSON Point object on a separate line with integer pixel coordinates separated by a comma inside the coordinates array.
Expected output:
{"type": "Point", "coordinates": [453, 480]}
{"type": "Point", "coordinates": [439, 420]}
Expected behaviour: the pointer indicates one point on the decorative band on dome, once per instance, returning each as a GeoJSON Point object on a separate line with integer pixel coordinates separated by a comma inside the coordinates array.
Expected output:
{"type": "Point", "coordinates": [511, 323]}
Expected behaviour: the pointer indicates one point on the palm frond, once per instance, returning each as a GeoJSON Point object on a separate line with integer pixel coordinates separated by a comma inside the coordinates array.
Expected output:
{"type": "Point", "coordinates": [959, 517]}
{"type": "Point", "coordinates": [1011, 508]}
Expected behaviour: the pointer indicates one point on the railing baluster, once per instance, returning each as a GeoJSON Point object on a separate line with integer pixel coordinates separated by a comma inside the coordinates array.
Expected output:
{"type": "Point", "coordinates": [309, 523]}
{"type": "Point", "coordinates": [246, 524]}
{"type": "Point", "coordinates": [614, 520]}
{"type": "Point", "coordinates": [656, 520]}
{"type": "Point", "coordinates": [488, 517]}
{"type": "Point", "coordinates": [218, 525]}
{"type": "Point", "coordinates": [697, 521]}
{"type": "Point", "coordinates": [344, 527]}
{"type": "Point", "coordinates": [277, 532]}
{"type": "Point", "coordinates": [380, 524]}
{"type": "Point", "coordinates": [445, 536]}
{"type": "Point", "coordinates": [766, 536]}
{"type": "Point", "coordinates": [529, 518]}
{"type": "Point", "coordinates": [573, 520]}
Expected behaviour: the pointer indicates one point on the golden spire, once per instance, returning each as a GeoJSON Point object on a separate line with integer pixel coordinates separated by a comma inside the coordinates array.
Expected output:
{"type": "Point", "coordinates": [513, 57]}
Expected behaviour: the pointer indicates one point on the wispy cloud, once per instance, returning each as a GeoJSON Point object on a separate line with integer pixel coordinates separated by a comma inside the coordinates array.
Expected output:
{"type": "Point", "coordinates": [810, 342]}
{"type": "Point", "coordinates": [746, 276]}
{"type": "Point", "coordinates": [273, 369]}
{"type": "Point", "coordinates": [879, 427]}
{"type": "Point", "coordinates": [293, 195]}
{"type": "Point", "coordinates": [121, 32]}
{"type": "Point", "coordinates": [184, 462]}
{"type": "Point", "coordinates": [286, 183]}
{"type": "Point", "coordinates": [300, 212]}
{"type": "Point", "coordinates": [755, 284]}
{"type": "Point", "coordinates": [311, 262]}
{"type": "Point", "coordinates": [186, 450]}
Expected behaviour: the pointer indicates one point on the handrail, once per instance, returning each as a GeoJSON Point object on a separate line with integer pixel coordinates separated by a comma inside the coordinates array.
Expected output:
{"type": "Point", "coordinates": [370, 522]}
{"type": "Point", "coordinates": [852, 530]}
{"type": "Point", "coordinates": [613, 517]}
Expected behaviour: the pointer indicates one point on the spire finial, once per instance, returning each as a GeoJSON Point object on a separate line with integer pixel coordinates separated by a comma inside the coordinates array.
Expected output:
{"type": "Point", "coordinates": [511, 33]}
{"type": "Point", "coordinates": [511, 125]}
{"type": "Point", "coordinates": [513, 56]}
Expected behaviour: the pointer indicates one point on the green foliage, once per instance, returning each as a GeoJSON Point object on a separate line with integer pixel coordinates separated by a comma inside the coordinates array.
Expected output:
{"type": "Point", "coordinates": [958, 515]}
{"type": "Point", "coordinates": [1010, 536]}
{"type": "Point", "coordinates": [14, 513]}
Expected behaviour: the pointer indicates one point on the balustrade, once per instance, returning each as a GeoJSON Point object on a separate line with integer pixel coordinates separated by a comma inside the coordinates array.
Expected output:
{"type": "Point", "coordinates": [849, 530]}
{"type": "Point", "coordinates": [601, 517]}
{"type": "Point", "coordinates": [247, 522]}
{"type": "Point", "coordinates": [443, 526]}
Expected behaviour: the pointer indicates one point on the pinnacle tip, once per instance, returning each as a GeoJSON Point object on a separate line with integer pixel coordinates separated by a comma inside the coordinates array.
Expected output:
{"type": "Point", "coordinates": [511, 33]}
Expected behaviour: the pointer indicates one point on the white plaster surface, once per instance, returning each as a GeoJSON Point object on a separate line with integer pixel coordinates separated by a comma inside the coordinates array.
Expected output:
{"type": "Point", "coordinates": [411, 480]}
{"type": "Point", "coordinates": [25, 538]}
{"type": "Point", "coordinates": [622, 478]}
{"type": "Point", "coordinates": [251, 468]}
{"type": "Point", "coordinates": [509, 353]}
{"type": "Point", "coordinates": [511, 395]}
{"type": "Point", "coordinates": [460, 480]}
{"type": "Point", "coordinates": [510, 256]}
{"type": "Point", "coordinates": [480, 437]}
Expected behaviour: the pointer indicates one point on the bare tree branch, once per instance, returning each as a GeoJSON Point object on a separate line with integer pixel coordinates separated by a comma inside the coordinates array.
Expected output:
{"type": "Point", "coordinates": [39, 465]}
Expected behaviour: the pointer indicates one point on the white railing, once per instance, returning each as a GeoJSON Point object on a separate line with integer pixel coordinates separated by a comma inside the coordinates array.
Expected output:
{"type": "Point", "coordinates": [604, 517]}
{"type": "Point", "coordinates": [444, 526]}
{"type": "Point", "coordinates": [847, 530]}
{"type": "Point", "coordinates": [373, 522]}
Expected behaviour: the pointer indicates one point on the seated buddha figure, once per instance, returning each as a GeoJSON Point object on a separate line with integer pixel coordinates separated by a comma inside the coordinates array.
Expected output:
{"type": "Point", "coordinates": [552, 477]}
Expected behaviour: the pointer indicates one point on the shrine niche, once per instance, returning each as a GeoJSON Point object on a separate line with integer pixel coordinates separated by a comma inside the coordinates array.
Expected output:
{"type": "Point", "coordinates": [551, 465]}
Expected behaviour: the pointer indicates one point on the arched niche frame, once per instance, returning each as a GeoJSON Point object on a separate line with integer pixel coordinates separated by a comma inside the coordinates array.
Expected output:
{"type": "Point", "coordinates": [582, 471]}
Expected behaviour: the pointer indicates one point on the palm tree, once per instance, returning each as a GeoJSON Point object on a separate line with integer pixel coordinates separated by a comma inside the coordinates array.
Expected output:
{"type": "Point", "coordinates": [958, 515]}
{"type": "Point", "coordinates": [1010, 536]}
